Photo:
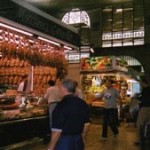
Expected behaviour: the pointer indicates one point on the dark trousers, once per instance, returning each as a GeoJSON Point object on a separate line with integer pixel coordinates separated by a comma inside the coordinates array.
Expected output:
{"type": "Point", "coordinates": [70, 142]}
{"type": "Point", "coordinates": [109, 119]}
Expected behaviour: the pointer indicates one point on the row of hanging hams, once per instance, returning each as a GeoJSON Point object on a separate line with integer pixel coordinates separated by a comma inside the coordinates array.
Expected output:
{"type": "Point", "coordinates": [10, 79]}
{"type": "Point", "coordinates": [42, 74]}
{"type": "Point", "coordinates": [13, 75]}
{"type": "Point", "coordinates": [42, 80]}
{"type": "Point", "coordinates": [14, 65]}
{"type": "Point", "coordinates": [14, 71]}
{"type": "Point", "coordinates": [19, 50]}
{"type": "Point", "coordinates": [39, 70]}
{"type": "Point", "coordinates": [38, 80]}
{"type": "Point", "coordinates": [45, 70]}
{"type": "Point", "coordinates": [13, 62]}
{"type": "Point", "coordinates": [24, 47]}
{"type": "Point", "coordinates": [40, 83]}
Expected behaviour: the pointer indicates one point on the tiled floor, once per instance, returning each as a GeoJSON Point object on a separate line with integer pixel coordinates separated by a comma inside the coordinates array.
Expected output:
{"type": "Point", "coordinates": [124, 141]}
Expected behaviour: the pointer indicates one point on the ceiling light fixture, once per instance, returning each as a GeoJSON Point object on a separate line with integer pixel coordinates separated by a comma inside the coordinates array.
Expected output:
{"type": "Point", "coordinates": [15, 29]}
{"type": "Point", "coordinates": [66, 47]}
{"type": "Point", "coordinates": [49, 41]}
{"type": "Point", "coordinates": [119, 10]}
{"type": "Point", "coordinates": [92, 50]}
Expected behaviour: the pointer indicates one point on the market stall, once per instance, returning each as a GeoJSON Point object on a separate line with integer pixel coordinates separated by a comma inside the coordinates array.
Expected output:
{"type": "Point", "coordinates": [40, 61]}
{"type": "Point", "coordinates": [95, 70]}
{"type": "Point", "coordinates": [26, 51]}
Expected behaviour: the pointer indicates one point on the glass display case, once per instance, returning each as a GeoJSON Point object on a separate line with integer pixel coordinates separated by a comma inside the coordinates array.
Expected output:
{"type": "Point", "coordinates": [21, 119]}
{"type": "Point", "coordinates": [20, 107]}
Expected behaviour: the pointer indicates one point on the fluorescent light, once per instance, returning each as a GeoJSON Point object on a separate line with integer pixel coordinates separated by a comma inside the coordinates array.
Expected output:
{"type": "Point", "coordinates": [92, 50]}
{"type": "Point", "coordinates": [49, 41]}
{"type": "Point", "coordinates": [119, 10]}
{"type": "Point", "coordinates": [15, 29]}
{"type": "Point", "coordinates": [66, 47]}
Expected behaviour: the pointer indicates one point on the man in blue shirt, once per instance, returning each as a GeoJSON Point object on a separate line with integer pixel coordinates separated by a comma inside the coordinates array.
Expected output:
{"type": "Point", "coordinates": [71, 120]}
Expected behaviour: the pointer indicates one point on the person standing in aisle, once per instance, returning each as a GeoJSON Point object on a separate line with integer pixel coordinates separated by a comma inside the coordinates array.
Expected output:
{"type": "Point", "coordinates": [144, 112]}
{"type": "Point", "coordinates": [110, 97]}
{"type": "Point", "coordinates": [71, 119]}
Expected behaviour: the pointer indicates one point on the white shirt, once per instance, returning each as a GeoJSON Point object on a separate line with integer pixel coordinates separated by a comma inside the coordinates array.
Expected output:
{"type": "Point", "coordinates": [52, 94]}
{"type": "Point", "coordinates": [21, 86]}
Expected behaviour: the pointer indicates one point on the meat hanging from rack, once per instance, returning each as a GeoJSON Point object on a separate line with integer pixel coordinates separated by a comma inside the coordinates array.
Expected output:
{"type": "Point", "coordinates": [20, 52]}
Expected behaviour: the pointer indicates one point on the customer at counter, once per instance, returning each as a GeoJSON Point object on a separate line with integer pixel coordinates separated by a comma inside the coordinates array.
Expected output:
{"type": "Point", "coordinates": [52, 97]}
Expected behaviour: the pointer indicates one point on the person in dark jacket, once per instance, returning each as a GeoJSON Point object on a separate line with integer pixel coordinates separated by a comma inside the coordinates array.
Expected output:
{"type": "Point", "coordinates": [144, 112]}
{"type": "Point", "coordinates": [70, 120]}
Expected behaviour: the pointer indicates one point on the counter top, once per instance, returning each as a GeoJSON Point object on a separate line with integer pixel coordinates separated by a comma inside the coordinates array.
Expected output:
{"type": "Point", "coordinates": [8, 115]}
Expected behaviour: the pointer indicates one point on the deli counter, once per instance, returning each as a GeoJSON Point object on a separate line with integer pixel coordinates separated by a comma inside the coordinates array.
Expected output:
{"type": "Point", "coordinates": [22, 120]}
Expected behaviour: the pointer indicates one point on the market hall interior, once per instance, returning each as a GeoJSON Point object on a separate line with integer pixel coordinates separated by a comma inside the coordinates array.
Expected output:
{"type": "Point", "coordinates": [109, 40]}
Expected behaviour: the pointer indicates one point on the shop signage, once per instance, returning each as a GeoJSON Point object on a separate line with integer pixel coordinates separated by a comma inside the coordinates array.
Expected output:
{"type": "Point", "coordinates": [29, 18]}
{"type": "Point", "coordinates": [120, 35]}
{"type": "Point", "coordinates": [75, 58]}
